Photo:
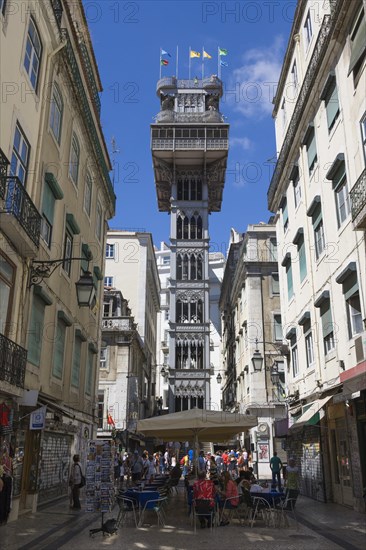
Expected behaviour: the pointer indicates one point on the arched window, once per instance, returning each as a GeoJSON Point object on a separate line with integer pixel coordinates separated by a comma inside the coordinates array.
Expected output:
{"type": "Point", "coordinates": [199, 267]}
{"type": "Point", "coordinates": [185, 228]}
{"type": "Point", "coordinates": [179, 267]}
{"type": "Point", "coordinates": [74, 159]}
{"type": "Point", "coordinates": [33, 53]}
{"type": "Point", "coordinates": [193, 228]}
{"type": "Point", "coordinates": [185, 274]}
{"type": "Point", "coordinates": [199, 227]}
{"type": "Point", "coordinates": [56, 112]}
{"type": "Point", "coordinates": [193, 267]}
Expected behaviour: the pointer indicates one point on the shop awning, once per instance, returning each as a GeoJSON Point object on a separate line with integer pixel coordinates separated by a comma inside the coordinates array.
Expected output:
{"type": "Point", "coordinates": [311, 416]}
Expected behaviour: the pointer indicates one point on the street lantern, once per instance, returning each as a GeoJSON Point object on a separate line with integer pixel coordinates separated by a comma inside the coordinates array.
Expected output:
{"type": "Point", "coordinates": [219, 378]}
{"type": "Point", "coordinates": [275, 375]}
{"type": "Point", "coordinates": [85, 290]}
{"type": "Point", "coordinates": [257, 361]}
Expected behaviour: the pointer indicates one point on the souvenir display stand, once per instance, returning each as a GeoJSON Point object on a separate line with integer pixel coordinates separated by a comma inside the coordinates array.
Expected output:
{"type": "Point", "coordinates": [99, 481]}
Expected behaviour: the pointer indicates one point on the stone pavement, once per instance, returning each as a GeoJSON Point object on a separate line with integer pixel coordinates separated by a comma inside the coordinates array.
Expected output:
{"type": "Point", "coordinates": [320, 526]}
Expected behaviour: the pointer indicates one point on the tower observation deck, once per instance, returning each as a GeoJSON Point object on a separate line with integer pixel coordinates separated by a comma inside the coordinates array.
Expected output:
{"type": "Point", "coordinates": [189, 143]}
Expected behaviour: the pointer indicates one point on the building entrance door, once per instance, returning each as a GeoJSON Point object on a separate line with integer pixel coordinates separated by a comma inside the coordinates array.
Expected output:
{"type": "Point", "coordinates": [344, 462]}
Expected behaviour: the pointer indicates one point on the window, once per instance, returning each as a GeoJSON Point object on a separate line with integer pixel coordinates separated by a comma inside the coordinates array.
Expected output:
{"type": "Point", "coordinates": [103, 358]}
{"type": "Point", "coordinates": [35, 331]}
{"type": "Point", "coordinates": [358, 46]}
{"type": "Point", "coordinates": [109, 250]}
{"type": "Point", "coordinates": [288, 265]}
{"type": "Point", "coordinates": [285, 216]}
{"type": "Point", "coordinates": [310, 143]}
{"type": "Point", "coordinates": [89, 373]}
{"type": "Point", "coordinates": [166, 260]}
{"type": "Point", "coordinates": [330, 96]}
{"type": "Point", "coordinates": [7, 280]}
{"type": "Point", "coordinates": [75, 373]}
{"type": "Point", "coordinates": [315, 211]}
{"type": "Point", "coordinates": [51, 193]}
{"type": "Point", "coordinates": [309, 345]}
{"type": "Point", "coordinates": [363, 136]}
{"type": "Point", "coordinates": [67, 252]}
{"type": "Point", "coordinates": [277, 327]}
{"type": "Point", "coordinates": [88, 194]}
{"type": "Point", "coordinates": [100, 409]}
{"type": "Point", "coordinates": [294, 77]}
{"type": "Point", "coordinates": [274, 283]}
{"type": "Point", "coordinates": [327, 326]}
{"type": "Point", "coordinates": [283, 112]}
{"type": "Point", "coordinates": [59, 349]}
{"type": "Point", "coordinates": [348, 279]}
{"type": "Point", "coordinates": [33, 54]}
{"type": "Point", "coordinates": [56, 112]}
{"type": "Point", "coordinates": [98, 221]}
{"type": "Point", "coordinates": [295, 178]}
{"type": "Point", "coordinates": [20, 155]}
{"type": "Point", "coordinates": [308, 30]}
{"type": "Point", "coordinates": [337, 174]}
{"type": "Point", "coordinates": [273, 257]}
{"type": "Point", "coordinates": [108, 281]}
{"type": "Point", "coordinates": [2, 6]}
{"type": "Point", "coordinates": [294, 356]}
{"type": "Point", "coordinates": [300, 243]}
{"type": "Point", "coordinates": [74, 159]}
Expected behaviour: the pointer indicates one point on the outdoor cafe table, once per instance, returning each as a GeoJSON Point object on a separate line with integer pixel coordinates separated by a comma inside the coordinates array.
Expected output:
{"type": "Point", "coordinates": [141, 497]}
{"type": "Point", "coordinates": [272, 497]}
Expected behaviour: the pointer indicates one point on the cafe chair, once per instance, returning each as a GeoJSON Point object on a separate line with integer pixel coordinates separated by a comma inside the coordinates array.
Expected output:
{"type": "Point", "coordinates": [201, 508]}
{"type": "Point", "coordinates": [127, 507]}
{"type": "Point", "coordinates": [261, 508]}
{"type": "Point", "coordinates": [154, 505]}
{"type": "Point", "coordinates": [232, 511]}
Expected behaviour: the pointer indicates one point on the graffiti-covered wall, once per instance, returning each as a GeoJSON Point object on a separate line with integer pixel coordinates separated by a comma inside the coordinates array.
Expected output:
{"type": "Point", "coordinates": [54, 465]}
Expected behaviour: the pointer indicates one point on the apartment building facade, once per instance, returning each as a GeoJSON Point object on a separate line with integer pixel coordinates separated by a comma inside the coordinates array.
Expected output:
{"type": "Point", "coordinates": [318, 194]}
{"type": "Point", "coordinates": [56, 196]}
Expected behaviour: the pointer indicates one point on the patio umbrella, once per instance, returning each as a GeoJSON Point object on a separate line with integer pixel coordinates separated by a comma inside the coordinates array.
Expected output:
{"type": "Point", "coordinates": [199, 424]}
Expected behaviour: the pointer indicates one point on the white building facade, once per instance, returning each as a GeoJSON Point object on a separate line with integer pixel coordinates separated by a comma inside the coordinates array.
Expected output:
{"type": "Point", "coordinates": [318, 191]}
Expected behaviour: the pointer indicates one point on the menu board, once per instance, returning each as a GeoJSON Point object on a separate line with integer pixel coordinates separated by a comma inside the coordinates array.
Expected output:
{"type": "Point", "coordinates": [99, 476]}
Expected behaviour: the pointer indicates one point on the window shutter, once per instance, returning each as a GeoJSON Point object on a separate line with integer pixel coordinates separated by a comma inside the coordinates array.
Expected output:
{"type": "Point", "coordinates": [317, 216]}
{"type": "Point", "coordinates": [58, 361]}
{"type": "Point", "coordinates": [326, 317]}
{"type": "Point", "coordinates": [75, 376]}
{"type": "Point", "coordinates": [290, 289]}
{"type": "Point", "coordinates": [302, 258]}
{"type": "Point", "coordinates": [311, 148]}
{"type": "Point", "coordinates": [285, 213]}
{"type": "Point", "coordinates": [358, 43]}
{"type": "Point", "coordinates": [48, 203]}
{"type": "Point", "coordinates": [350, 286]}
{"type": "Point", "coordinates": [36, 331]}
{"type": "Point", "coordinates": [332, 106]}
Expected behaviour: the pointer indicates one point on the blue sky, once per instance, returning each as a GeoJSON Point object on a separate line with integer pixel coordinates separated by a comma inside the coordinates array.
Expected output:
{"type": "Point", "coordinates": [127, 37]}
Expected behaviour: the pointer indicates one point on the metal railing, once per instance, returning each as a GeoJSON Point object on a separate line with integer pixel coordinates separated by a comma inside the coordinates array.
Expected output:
{"type": "Point", "coordinates": [171, 144]}
{"type": "Point", "coordinates": [90, 76]}
{"type": "Point", "coordinates": [57, 11]}
{"type": "Point", "coordinates": [20, 205]}
{"type": "Point", "coordinates": [358, 195]}
{"type": "Point", "coordinates": [4, 163]}
{"type": "Point", "coordinates": [117, 323]}
{"type": "Point", "coordinates": [13, 360]}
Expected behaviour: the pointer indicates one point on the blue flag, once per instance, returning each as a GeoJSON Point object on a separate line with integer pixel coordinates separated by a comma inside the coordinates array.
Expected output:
{"type": "Point", "coordinates": [223, 63]}
{"type": "Point", "coordinates": [163, 52]}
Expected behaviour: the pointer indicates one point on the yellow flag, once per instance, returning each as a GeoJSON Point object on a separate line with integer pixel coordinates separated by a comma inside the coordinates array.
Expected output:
{"type": "Point", "coordinates": [205, 54]}
{"type": "Point", "coordinates": [195, 54]}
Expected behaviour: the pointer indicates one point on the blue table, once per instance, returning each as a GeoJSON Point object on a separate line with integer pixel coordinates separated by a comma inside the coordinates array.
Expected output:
{"type": "Point", "coordinates": [272, 497]}
{"type": "Point", "coordinates": [141, 497]}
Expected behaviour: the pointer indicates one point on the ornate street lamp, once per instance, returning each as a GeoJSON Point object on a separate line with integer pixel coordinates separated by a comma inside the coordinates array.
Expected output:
{"type": "Point", "coordinates": [257, 359]}
{"type": "Point", "coordinates": [219, 378]}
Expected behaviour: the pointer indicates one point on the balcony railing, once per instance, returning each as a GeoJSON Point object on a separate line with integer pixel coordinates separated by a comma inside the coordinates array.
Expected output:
{"type": "Point", "coordinates": [358, 195]}
{"type": "Point", "coordinates": [308, 86]}
{"type": "Point", "coordinates": [202, 144]}
{"type": "Point", "coordinates": [117, 323]}
{"type": "Point", "coordinates": [4, 163]}
{"type": "Point", "coordinates": [57, 10]}
{"type": "Point", "coordinates": [19, 204]}
{"type": "Point", "coordinates": [13, 359]}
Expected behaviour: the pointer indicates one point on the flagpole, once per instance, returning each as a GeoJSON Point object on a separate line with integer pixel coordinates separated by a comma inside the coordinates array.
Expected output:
{"type": "Point", "coordinates": [160, 65]}
{"type": "Point", "coordinates": [189, 66]}
{"type": "Point", "coordinates": [218, 63]}
{"type": "Point", "coordinates": [176, 65]}
{"type": "Point", "coordinates": [203, 70]}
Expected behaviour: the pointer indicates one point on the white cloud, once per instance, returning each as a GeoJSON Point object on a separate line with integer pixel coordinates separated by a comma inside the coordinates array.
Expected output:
{"type": "Point", "coordinates": [243, 142]}
{"type": "Point", "coordinates": [253, 86]}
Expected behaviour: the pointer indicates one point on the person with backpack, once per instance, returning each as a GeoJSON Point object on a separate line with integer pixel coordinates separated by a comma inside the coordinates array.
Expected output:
{"type": "Point", "coordinates": [76, 482]}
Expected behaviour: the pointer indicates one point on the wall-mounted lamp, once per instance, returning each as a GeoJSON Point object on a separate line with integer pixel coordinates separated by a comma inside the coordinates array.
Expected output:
{"type": "Point", "coordinates": [219, 378]}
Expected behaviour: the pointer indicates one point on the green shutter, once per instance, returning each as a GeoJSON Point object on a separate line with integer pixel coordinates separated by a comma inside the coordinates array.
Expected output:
{"type": "Point", "coordinates": [75, 374]}
{"type": "Point", "coordinates": [302, 259]}
{"type": "Point", "coordinates": [48, 203]}
{"type": "Point", "coordinates": [311, 148]}
{"type": "Point", "coordinates": [332, 105]}
{"type": "Point", "coordinates": [358, 44]}
{"type": "Point", "coordinates": [317, 216]}
{"type": "Point", "coordinates": [58, 358]}
{"type": "Point", "coordinates": [285, 213]}
{"type": "Point", "coordinates": [339, 176]}
{"type": "Point", "coordinates": [89, 373]}
{"type": "Point", "coordinates": [35, 331]}
{"type": "Point", "coordinates": [350, 286]}
{"type": "Point", "coordinates": [290, 288]}
{"type": "Point", "coordinates": [326, 318]}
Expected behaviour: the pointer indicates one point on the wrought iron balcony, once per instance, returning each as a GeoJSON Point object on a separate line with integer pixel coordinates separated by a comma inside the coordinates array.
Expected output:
{"type": "Point", "coordinates": [57, 10]}
{"type": "Point", "coordinates": [89, 72]}
{"type": "Point", "coordinates": [4, 163]}
{"type": "Point", "coordinates": [358, 200]}
{"type": "Point", "coordinates": [117, 323]}
{"type": "Point", "coordinates": [19, 206]}
{"type": "Point", "coordinates": [13, 360]}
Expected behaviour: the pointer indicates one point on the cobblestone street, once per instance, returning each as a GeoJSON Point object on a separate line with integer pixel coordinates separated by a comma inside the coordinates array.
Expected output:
{"type": "Point", "coordinates": [321, 527]}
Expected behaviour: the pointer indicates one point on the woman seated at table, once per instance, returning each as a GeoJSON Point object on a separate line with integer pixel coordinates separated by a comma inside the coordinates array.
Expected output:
{"type": "Point", "coordinates": [230, 491]}
{"type": "Point", "coordinates": [244, 481]}
{"type": "Point", "coordinates": [204, 494]}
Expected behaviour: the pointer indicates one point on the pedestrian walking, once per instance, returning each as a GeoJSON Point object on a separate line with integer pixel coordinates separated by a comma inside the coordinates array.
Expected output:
{"type": "Point", "coordinates": [276, 465]}
{"type": "Point", "coordinates": [74, 483]}
{"type": "Point", "coordinates": [137, 466]}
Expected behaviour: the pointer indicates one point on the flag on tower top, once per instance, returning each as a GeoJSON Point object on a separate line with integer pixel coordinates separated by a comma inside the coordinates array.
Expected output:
{"type": "Point", "coordinates": [164, 62]}
{"type": "Point", "coordinates": [163, 52]}
{"type": "Point", "coordinates": [223, 51]}
{"type": "Point", "coordinates": [223, 63]}
{"type": "Point", "coordinates": [207, 55]}
{"type": "Point", "coordinates": [195, 54]}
